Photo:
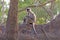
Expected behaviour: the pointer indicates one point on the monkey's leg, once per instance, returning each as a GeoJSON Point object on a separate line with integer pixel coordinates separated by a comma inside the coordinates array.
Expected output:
{"type": "Point", "coordinates": [34, 28]}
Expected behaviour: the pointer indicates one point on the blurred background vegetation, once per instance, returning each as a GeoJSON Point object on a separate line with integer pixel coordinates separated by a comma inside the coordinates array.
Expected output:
{"type": "Point", "coordinates": [43, 13]}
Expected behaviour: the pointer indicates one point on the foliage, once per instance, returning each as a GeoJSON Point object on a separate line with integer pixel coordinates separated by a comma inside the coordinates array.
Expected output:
{"type": "Point", "coordinates": [41, 14]}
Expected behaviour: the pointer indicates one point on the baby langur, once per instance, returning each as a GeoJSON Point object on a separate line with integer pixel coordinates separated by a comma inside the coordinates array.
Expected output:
{"type": "Point", "coordinates": [30, 18]}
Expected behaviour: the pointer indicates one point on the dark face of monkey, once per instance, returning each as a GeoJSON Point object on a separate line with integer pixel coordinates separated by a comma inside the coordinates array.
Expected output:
{"type": "Point", "coordinates": [28, 9]}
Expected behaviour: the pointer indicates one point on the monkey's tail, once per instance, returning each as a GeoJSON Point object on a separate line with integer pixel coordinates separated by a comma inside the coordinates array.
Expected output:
{"type": "Point", "coordinates": [34, 29]}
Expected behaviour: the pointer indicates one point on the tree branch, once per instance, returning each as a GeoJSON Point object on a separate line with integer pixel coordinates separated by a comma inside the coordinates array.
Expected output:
{"type": "Point", "coordinates": [31, 6]}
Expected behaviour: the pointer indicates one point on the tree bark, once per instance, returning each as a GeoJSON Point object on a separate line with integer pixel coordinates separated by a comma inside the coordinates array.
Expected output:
{"type": "Point", "coordinates": [12, 25]}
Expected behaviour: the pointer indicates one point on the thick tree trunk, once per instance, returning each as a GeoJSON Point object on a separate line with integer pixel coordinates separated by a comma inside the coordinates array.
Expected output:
{"type": "Point", "coordinates": [12, 25]}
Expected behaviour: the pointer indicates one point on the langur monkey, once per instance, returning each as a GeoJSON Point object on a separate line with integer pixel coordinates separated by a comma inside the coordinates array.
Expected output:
{"type": "Point", "coordinates": [30, 18]}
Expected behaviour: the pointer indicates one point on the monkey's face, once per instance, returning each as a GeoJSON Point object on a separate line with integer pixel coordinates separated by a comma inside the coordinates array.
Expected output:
{"type": "Point", "coordinates": [28, 9]}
